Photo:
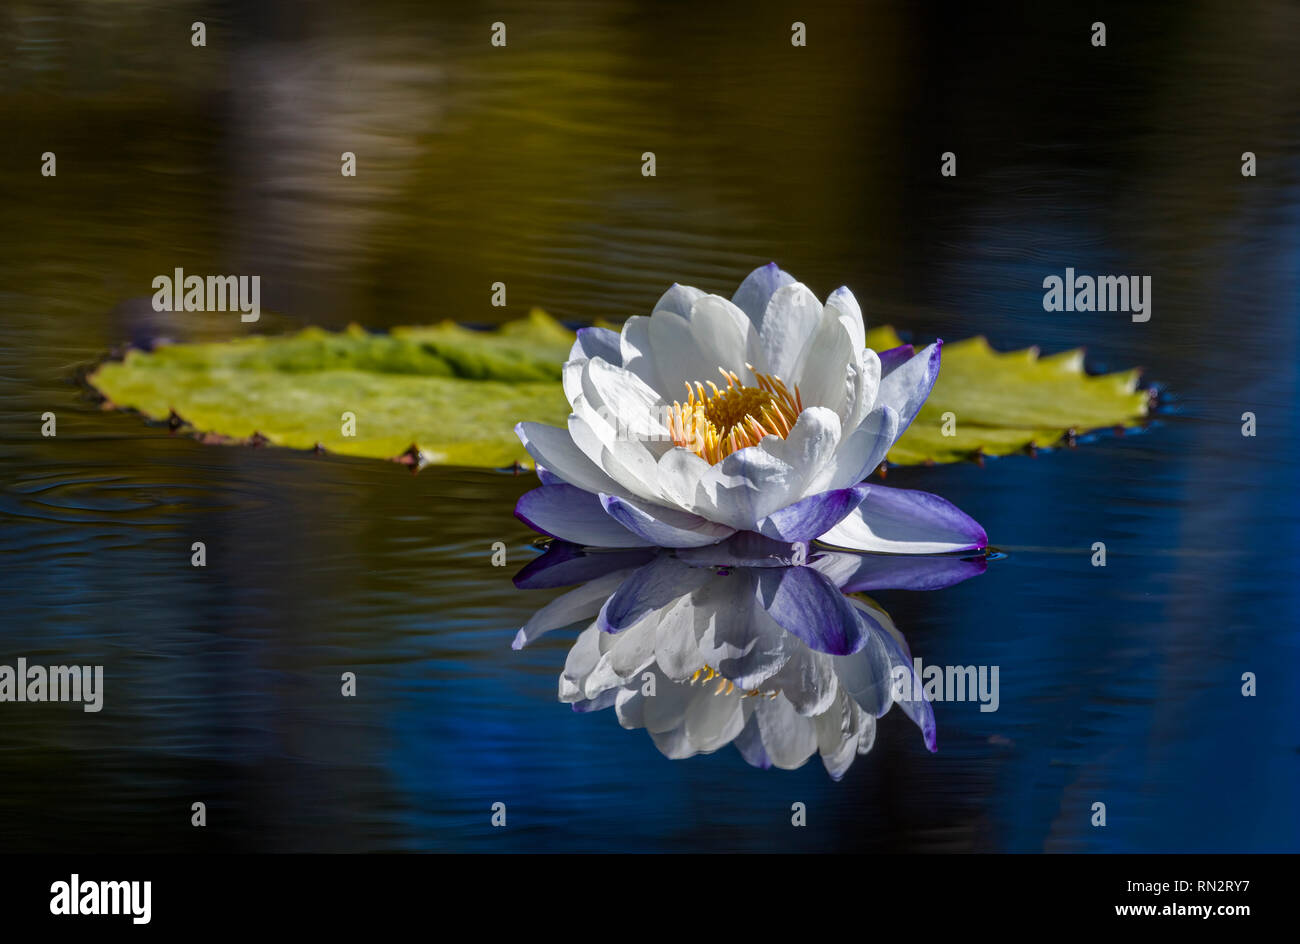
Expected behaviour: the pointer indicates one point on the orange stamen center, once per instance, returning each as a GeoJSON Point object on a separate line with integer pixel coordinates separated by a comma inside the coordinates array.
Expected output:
{"type": "Point", "coordinates": [716, 422]}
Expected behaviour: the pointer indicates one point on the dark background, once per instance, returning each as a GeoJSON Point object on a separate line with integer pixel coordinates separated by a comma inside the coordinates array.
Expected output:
{"type": "Point", "coordinates": [522, 164]}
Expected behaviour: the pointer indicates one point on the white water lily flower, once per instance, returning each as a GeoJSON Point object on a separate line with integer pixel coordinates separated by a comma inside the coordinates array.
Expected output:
{"type": "Point", "coordinates": [747, 645]}
{"type": "Point", "coordinates": [727, 673]}
{"type": "Point", "coordinates": [711, 417]}
{"type": "Point", "coordinates": [707, 712]}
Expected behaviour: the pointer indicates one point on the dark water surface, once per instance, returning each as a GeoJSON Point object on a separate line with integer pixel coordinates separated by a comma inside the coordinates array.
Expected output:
{"type": "Point", "coordinates": [1119, 685]}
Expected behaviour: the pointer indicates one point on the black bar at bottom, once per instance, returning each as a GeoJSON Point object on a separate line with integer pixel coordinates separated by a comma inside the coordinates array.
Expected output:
{"type": "Point", "coordinates": [334, 893]}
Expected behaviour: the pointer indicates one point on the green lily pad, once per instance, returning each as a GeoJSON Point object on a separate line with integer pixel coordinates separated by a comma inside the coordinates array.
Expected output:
{"type": "Point", "coordinates": [455, 393]}
{"type": "Point", "coordinates": [452, 392]}
{"type": "Point", "coordinates": [990, 403]}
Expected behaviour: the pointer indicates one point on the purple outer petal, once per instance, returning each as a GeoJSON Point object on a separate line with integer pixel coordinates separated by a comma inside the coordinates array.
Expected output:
{"type": "Point", "coordinates": [812, 516]}
{"type": "Point", "coordinates": [880, 572]}
{"type": "Point", "coordinates": [894, 357]}
{"type": "Point", "coordinates": [666, 527]}
{"type": "Point", "coordinates": [890, 519]}
{"type": "Point", "coordinates": [907, 385]}
{"type": "Point", "coordinates": [569, 513]}
{"type": "Point", "coordinates": [865, 675]}
{"type": "Point", "coordinates": [547, 477]}
{"type": "Point", "coordinates": [655, 585]}
{"type": "Point", "coordinates": [920, 711]}
{"type": "Point", "coordinates": [756, 290]}
{"type": "Point", "coordinates": [806, 604]}
{"type": "Point", "coordinates": [602, 343]}
{"type": "Point", "coordinates": [565, 565]}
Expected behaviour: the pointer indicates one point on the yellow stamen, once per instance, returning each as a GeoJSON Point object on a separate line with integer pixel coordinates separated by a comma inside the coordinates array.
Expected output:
{"type": "Point", "coordinates": [707, 673]}
{"type": "Point", "coordinates": [713, 425]}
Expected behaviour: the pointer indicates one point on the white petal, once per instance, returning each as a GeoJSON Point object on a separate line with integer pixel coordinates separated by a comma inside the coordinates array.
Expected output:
{"type": "Point", "coordinates": [867, 730]}
{"type": "Point", "coordinates": [859, 453]}
{"type": "Point", "coordinates": [580, 603]}
{"type": "Point", "coordinates": [571, 378]}
{"type": "Point", "coordinates": [788, 737]}
{"type": "Point", "coordinates": [624, 400]}
{"type": "Point", "coordinates": [866, 675]}
{"type": "Point", "coordinates": [667, 709]}
{"type": "Point", "coordinates": [692, 351]}
{"type": "Point", "coordinates": [629, 706]}
{"type": "Point", "coordinates": [555, 449]}
{"type": "Point", "coordinates": [627, 462]}
{"type": "Point", "coordinates": [823, 374]}
{"type": "Point", "coordinates": [678, 299]}
{"type": "Point", "coordinates": [753, 482]}
{"type": "Point", "coordinates": [680, 473]}
{"type": "Point", "coordinates": [747, 485]}
{"type": "Point", "coordinates": [725, 337]}
{"type": "Point", "coordinates": [713, 721]}
{"type": "Point", "coordinates": [808, 449]}
{"type": "Point", "coordinates": [625, 655]}
{"type": "Point", "coordinates": [792, 318]}
{"type": "Point", "coordinates": [634, 344]}
{"type": "Point", "coordinates": [863, 387]}
{"type": "Point", "coordinates": [845, 307]}
{"type": "Point", "coordinates": [838, 734]}
{"type": "Point", "coordinates": [582, 658]}
{"type": "Point", "coordinates": [807, 681]}
{"type": "Point", "coordinates": [676, 649]}
{"type": "Point", "coordinates": [590, 342]}
{"type": "Point", "coordinates": [738, 638]}
{"type": "Point", "coordinates": [756, 291]}
{"type": "Point", "coordinates": [674, 743]}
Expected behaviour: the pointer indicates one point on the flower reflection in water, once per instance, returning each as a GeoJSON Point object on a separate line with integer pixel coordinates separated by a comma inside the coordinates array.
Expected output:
{"type": "Point", "coordinates": [753, 642]}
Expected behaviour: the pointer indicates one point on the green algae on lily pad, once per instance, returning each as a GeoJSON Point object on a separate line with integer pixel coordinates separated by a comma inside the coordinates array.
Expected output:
{"type": "Point", "coordinates": [455, 393]}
